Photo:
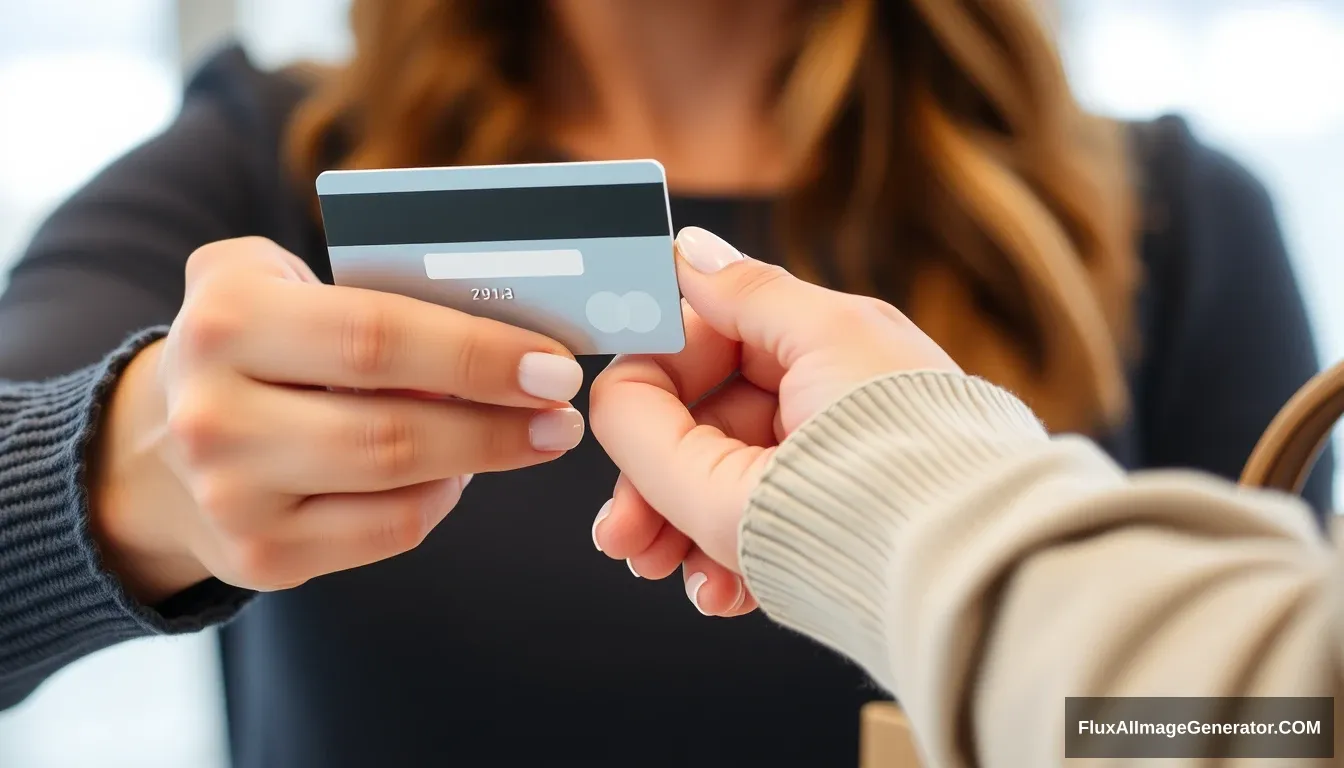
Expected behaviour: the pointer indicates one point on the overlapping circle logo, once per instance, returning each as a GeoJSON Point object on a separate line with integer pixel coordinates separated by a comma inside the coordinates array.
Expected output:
{"type": "Point", "coordinates": [634, 311]}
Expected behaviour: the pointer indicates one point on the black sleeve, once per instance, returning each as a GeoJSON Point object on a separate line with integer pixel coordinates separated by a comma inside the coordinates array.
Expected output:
{"type": "Point", "coordinates": [106, 266]}
{"type": "Point", "coordinates": [1234, 339]}
{"type": "Point", "coordinates": [56, 602]}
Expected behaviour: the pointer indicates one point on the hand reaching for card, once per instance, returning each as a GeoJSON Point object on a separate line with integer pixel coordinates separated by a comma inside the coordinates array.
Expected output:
{"type": "Point", "coordinates": [693, 432]}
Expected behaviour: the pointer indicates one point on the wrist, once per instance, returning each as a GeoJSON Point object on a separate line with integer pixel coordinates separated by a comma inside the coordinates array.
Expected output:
{"type": "Point", "coordinates": [829, 515]}
{"type": "Point", "coordinates": [136, 503]}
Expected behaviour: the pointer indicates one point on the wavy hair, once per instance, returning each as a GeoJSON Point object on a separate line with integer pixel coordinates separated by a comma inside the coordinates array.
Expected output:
{"type": "Point", "coordinates": [939, 160]}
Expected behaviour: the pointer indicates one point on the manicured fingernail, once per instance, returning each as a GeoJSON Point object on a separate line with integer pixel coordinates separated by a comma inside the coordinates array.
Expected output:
{"type": "Point", "coordinates": [631, 566]}
{"type": "Point", "coordinates": [601, 515]}
{"type": "Point", "coordinates": [741, 596]}
{"type": "Point", "coordinates": [693, 585]}
{"type": "Point", "coordinates": [558, 430]}
{"type": "Point", "coordinates": [550, 377]}
{"type": "Point", "coordinates": [706, 251]}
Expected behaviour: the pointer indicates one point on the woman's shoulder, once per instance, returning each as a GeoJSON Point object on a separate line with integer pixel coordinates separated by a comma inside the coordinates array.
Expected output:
{"type": "Point", "coordinates": [1190, 191]}
{"type": "Point", "coordinates": [251, 98]}
{"type": "Point", "coordinates": [246, 110]}
{"type": "Point", "coordinates": [1226, 337]}
{"type": "Point", "coordinates": [1208, 228]}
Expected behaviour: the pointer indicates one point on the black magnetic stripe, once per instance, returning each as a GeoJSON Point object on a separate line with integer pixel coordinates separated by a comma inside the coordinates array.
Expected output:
{"type": "Point", "coordinates": [483, 215]}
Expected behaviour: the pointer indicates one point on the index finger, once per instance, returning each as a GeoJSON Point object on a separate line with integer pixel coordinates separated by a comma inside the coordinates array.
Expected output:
{"type": "Point", "coordinates": [332, 336]}
{"type": "Point", "coordinates": [693, 474]}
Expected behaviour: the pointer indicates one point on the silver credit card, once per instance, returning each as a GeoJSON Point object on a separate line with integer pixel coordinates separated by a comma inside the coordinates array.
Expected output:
{"type": "Point", "coordinates": [579, 252]}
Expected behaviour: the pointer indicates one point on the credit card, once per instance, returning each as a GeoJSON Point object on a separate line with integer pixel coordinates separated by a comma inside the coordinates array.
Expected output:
{"type": "Point", "coordinates": [579, 252]}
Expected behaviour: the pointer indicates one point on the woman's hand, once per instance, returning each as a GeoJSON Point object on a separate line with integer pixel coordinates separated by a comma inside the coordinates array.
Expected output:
{"type": "Point", "coordinates": [287, 429]}
{"type": "Point", "coordinates": [692, 432]}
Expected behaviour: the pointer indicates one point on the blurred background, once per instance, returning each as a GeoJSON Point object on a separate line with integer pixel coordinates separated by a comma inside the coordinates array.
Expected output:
{"type": "Point", "coordinates": [1261, 79]}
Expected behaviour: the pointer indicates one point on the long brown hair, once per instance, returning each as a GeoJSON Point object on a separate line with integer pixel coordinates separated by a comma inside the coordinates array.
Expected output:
{"type": "Point", "coordinates": [941, 163]}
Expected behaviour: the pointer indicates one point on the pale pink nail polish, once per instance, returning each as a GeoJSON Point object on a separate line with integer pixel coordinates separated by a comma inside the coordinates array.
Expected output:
{"type": "Point", "coordinates": [558, 430]}
{"type": "Point", "coordinates": [550, 377]}
{"type": "Point", "coordinates": [601, 515]}
{"type": "Point", "coordinates": [741, 595]}
{"type": "Point", "coordinates": [706, 251]}
{"type": "Point", "coordinates": [694, 583]}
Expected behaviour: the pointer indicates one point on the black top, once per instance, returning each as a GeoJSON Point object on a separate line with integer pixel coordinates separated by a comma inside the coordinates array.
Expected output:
{"type": "Point", "coordinates": [505, 639]}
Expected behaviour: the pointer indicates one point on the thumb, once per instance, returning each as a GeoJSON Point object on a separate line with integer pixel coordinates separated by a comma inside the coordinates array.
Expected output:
{"type": "Point", "coordinates": [758, 304]}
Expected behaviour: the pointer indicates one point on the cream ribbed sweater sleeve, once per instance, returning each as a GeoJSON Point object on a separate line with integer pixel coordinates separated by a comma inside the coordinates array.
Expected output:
{"type": "Point", "coordinates": [926, 527]}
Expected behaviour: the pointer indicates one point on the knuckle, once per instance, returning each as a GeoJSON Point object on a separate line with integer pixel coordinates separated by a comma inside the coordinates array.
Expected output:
{"type": "Point", "coordinates": [503, 442]}
{"type": "Point", "coordinates": [221, 256]}
{"type": "Point", "coordinates": [761, 279]}
{"type": "Point", "coordinates": [406, 527]}
{"type": "Point", "coordinates": [600, 424]}
{"type": "Point", "coordinates": [604, 413]}
{"type": "Point", "coordinates": [389, 443]}
{"type": "Point", "coordinates": [601, 383]}
{"type": "Point", "coordinates": [283, 585]}
{"type": "Point", "coordinates": [258, 562]}
{"type": "Point", "coordinates": [854, 309]}
{"type": "Point", "coordinates": [851, 313]}
{"type": "Point", "coordinates": [468, 360]}
{"type": "Point", "coordinates": [203, 258]}
{"type": "Point", "coordinates": [255, 243]}
{"type": "Point", "coordinates": [607, 422]}
{"type": "Point", "coordinates": [368, 341]}
{"type": "Point", "coordinates": [890, 313]}
{"type": "Point", "coordinates": [875, 308]}
{"type": "Point", "coordinates": [619, 371]}
{"type": "Point", "coordinates": [208, 323]}
{"type": "Point", "coordinates": [196, 429]}
{"type": "Point", "coordinates": [218, 499]}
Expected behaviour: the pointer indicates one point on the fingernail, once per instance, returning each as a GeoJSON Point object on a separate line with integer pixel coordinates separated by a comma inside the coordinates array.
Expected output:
{"type": "Point", "coordinates": [558, 430]}
{"type": "Point", "coordinates": [550, 377]}
{"type": "Point", "coordinates": [466, 480]}
{"type": "Point", "coordinates": [693, 585]}
{"type": "Point", "coordinates": [601, 515]}
{"type": "Point", "coordinates": [631, 566]}
{"type": "Point", "coordinates": [741, 596]}
{"type": "Point", "coordinates": [706, 251]}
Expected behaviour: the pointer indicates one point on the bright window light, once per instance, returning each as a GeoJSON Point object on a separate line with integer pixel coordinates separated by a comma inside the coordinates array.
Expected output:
{"type": "Point", "coordinates": [278, 33]}
{"type": "Point", "coordinates": [1274, 71]}
{"type": "Point", "coordinates": [69, 113]}
{"type": "Point", "coordinates": [1129, 64]}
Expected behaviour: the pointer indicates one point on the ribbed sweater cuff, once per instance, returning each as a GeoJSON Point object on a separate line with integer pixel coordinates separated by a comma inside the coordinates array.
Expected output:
{"type": "Point", "coordinates": [56, 599]}
{"type": "Point", "coordinates": [822, 528]}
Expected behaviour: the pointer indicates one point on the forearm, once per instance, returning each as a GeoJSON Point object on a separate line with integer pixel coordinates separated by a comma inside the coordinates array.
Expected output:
{"type": "Point", "coordinates": [58, 600]}
{"type": "Point", "coordinates": [927, 527]}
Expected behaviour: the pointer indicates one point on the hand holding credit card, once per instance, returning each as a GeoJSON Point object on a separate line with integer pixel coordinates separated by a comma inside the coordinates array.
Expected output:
{"type": "Point", "coordinates": [579, 252]}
